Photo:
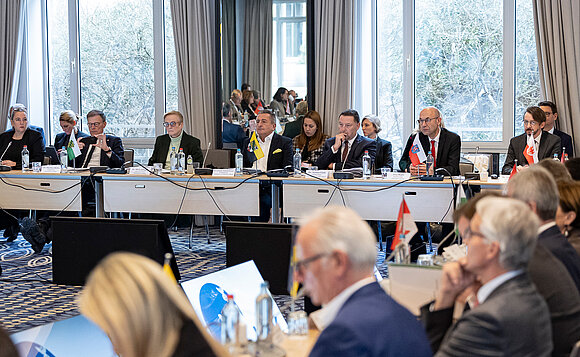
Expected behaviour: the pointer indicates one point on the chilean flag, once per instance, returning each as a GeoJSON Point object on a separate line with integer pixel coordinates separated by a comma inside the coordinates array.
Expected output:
{"type": "Point", "coordinates": [530, 151]}
{"type": "Point", "coordinates": [417, 154]}
{"type": "Point", "coordinates": [405, 225]}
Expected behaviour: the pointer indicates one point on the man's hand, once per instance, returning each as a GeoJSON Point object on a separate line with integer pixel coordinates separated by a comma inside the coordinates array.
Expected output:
{"type": "Point", "coordinates": [520, 168]}
{"type": "Point", "coordinates": [8, 163]}
{"type": "Point", "coordinates": [102, 142]}
{"type": "Point", "coordinates": [81, 144]}
{"type": "Point", "coordinates": [454, 280]}
{"type": "Point", "coordinates": [339, 139]}
{"type": "Point", "coordinates": [418, 170]}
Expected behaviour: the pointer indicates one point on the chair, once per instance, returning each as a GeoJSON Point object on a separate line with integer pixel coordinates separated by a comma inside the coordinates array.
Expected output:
{"type": "Point", "coordinates": [129, 156]}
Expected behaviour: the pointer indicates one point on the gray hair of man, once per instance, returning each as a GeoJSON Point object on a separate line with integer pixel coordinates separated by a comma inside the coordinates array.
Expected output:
{"type": "Point", "coordinates": [513, 225]}
{"type": "Point", "coordinates": [375, 121]}
{"type": "Point", "coordinates": [342, 229]}
{"type": "Point", "coordinates": [536, 184]}
{"type": "Point", "coordinates": [271, 113]}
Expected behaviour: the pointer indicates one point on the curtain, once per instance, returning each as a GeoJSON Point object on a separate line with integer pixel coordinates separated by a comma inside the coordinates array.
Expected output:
{"type": "Point", "coordinates": [333, 48]}
{"type": "Point", "coordinates": [558, 44]}
{"type": "Point", "coordinates": [257, 64]}
{"type": "Point", "coordinates": [9, 28]}
{"type": "Point", "coordinates": [194, 31]}
{"type": "Point", "coordinates": [229, 57]}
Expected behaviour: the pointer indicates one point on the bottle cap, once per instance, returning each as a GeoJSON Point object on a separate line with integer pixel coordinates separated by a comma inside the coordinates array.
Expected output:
{"type": "Point", "coordinates": [230, 297]}
{"type": "Point", "coordinates": [25, 146]}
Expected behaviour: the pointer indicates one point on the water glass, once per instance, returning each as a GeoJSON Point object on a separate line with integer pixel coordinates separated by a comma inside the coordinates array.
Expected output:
{"type": "Point", "coordinates": [36, 167]}
{"type": "Point", "coordinates": [385, 171]}
{"type": "Point", "coordinates": [158, 168]}
{"type": "Point", "coordinates": [297, 323]}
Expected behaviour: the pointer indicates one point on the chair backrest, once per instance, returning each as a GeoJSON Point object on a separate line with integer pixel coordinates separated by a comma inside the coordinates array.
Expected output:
{"type": "Point", "coordinates": [129, 156]}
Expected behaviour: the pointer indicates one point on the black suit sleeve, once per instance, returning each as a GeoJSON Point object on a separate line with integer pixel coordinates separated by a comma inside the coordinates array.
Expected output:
{"type": "Point", "coordinates": [384, 155]}
{"type": "Point", "coordinates": [194, 149]}
{"type": "Point", "coordinates": [117, 158]}
{"type": "Point", "coordinates": [327, 157]}
{"type": "Point", "coordinates": [36, 147]}
{"type": "Point", "coordinates": [405, 161]}
{"type": "Point", "coordinates": [509, 159]}
{"type": "Point", "coordinates": [453, 157]}
{"type": "Point", "coordinates": [156, 152]}
{"type": "Point", "coordinates": [436, 324]}
{"type": "Point", "coordinates": [287, 151]}
{"type": "Point", "coordinates": [356, 161]}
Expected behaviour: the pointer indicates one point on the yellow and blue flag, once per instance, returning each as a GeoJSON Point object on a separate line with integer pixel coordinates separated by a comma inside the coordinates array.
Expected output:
{"type": "Point", "coordinates": [254, 148]}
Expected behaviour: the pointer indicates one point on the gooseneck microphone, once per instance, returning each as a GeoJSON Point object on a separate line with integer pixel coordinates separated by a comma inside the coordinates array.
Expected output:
{"type": "Point", "coordinates": [206, 152]}
{"type": "Point", "coordinates": [7, 147]}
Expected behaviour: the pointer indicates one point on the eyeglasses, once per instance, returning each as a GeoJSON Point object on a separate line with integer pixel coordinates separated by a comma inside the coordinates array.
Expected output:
{"type": "Point", "coordinates": [530, 123]}
{"type": "Point", "coordinates": [303, 264]}
{"type": "Point", "coordinates": [468, 234]}
{"type": "Point", "coordinates": [425, 121]}
{"type": "Point", "coordinates": [171, 124]}
{"type": "Point", "coordinates": [94, 124]}
{"type": "Point", "coordinates": [18, 120]}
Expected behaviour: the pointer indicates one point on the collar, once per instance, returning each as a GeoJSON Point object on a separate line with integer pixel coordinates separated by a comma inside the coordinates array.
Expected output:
{"type": "Point", "coordinates": [537, 140]}
{"type": "Point", "coordinates": [178, 137]}
{"type": "Point", "coordinates": [551, 131]}
{"type": "Point", "coordinates": [544, 227]}
{"type": "Point", "coordinates": [494, 283]}
{"type": "Point", "coordinates": [324, 317]}
{"type": "Point", "coordinates": [267, 139]}
{"type": "Point", "coordinates": [351, 141]}
{"type": "Point", "coordinates": [436, 137]}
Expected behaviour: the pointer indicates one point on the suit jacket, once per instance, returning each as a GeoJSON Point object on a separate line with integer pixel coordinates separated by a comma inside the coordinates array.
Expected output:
{"type": "Point", "coordinates": [371, 323]}
{"type": "Point", "coordinates": [554, 283]}
{"type": "Point", "coordinates": [280, 106]}
{"type": "Point", "coordinates": [558, 245]}
{"type": "Point", "coordinates": [35, 128]}
{"type": "Point", "coordinates": [448, 151]}
{"type": "Point", "coordinates": [565, 142]}
{"type": "Point", "coordinates": [384, 157]}
{"type": "Point", "coordinates": [62, 139]}
{"type": "Point", "coordinates": [355, 154]}
{"type": "Point", "coordinates": [549, 145]}
{"type": "Point", "coordinates": [276, 161]}
{"type": "Point", "coordinates": [233, 133]}
{"type": "Point", "coordinates": [190, 145]}
{"type": "Point", "coordinates": [512, 321]}
{"type": "Point", "coordinates": [117, 158]}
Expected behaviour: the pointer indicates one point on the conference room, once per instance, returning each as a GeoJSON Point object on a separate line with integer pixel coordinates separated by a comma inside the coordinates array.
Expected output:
{"type": "Point", "coordinates": [269, 141]}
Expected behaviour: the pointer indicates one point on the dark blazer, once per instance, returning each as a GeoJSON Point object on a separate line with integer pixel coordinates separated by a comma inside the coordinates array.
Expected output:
{"type": "Point", "coordinates": [554, 283]}
{"type": "Point", "coordinates": [549, 145]}
{"type": "Point", "coordinates": [117, 158]}
{"type": "Point", "coordinates": [35, 128]}
{"type": "Point", "coordinates": [31, 138]}
{"type": "Point", "coordinates": [233, 133]}
{"type": "Point", "coordinates": [275, 161]}
{"type": "Point", "coordinates": [512, 321]}
{"type": "Point", "coordinates": [247, 109]}
{"type": "Point", "coordinates": [565, 142]}
{"type": "Point", "coordinates": [384, 157]}
{"type": "Point", "coordinates": [558, 245]}
{"type": "Point", "coordinates": [190, 145]}
{"type": "Point", "coordinates": [62, 139]}
{"type": "Point", "coordinates": [355, 154]}
{"type": "Point", "coordinates": [448, 151]}
{"type": "Point", "coordinates": [371, 323]}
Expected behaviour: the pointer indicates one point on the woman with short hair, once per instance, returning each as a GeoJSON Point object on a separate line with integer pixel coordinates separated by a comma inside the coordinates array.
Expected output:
{"type": "Point", "coordinates": [371, 126]}
{"type": "Point", "coordinates": [13, 141]}
{"type": "Point", "coordinates": [68, 123]}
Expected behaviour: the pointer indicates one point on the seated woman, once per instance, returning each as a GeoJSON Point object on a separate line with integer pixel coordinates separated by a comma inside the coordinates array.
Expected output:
{"type": "Point", "coordinates": [568, 213]}
{"type": "Point", "coordinates": [247, 101]}
{"type": "Point", "coordinates": [279, 104]}
{"type": "Point", "coordinates": [371, 126]}
{"type": "Point", "coordinates": [68, 123]}
{"type": "Point", "coordinates": [176, 137]}
{"type": "Point", "coordinates": [144, 312]}
{"type": "Point", "coordinates": [311, 139]}
{"type": "Point", "coordinates": [12, 142]}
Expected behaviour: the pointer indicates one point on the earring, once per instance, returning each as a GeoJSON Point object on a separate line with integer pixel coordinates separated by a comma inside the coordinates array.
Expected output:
{"type": "Point", "coordinates": [566, 230]}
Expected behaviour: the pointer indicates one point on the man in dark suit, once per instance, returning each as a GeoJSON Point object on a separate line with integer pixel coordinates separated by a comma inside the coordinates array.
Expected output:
{"type": "Point", "coordinates": [176, 137]}
{"type": "Point", "coordinates": [99, 149]}
{"type": "Point", "coordinates": [551, 116]}
{"type": "Point", "coordinates": [537, 187]}
{"type": "Point", "coordinates": [277, 151]}
{"type": "Point", "coordinates": [336, 254]}
{"type": "Point", "coordinates": [346, 149]}
{"type": "Point", "coordinates": [508, 316]}
{"type": "Point", "coordinates": [443, 144]}
{"type": "Point", "coordinates": [545, 144]}
{"type": "Point", "coordinates": [231, 133]}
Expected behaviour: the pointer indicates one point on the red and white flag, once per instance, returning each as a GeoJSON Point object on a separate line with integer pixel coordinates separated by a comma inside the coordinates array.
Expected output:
{"type": "Point", "coordinates": [514, 170]}
{"type": "Point", "coordinates": [530, 151]}
{"type": "Point", "coordinates": [416, 153]}
{"type": "Point", "coordinates": [405, 225]}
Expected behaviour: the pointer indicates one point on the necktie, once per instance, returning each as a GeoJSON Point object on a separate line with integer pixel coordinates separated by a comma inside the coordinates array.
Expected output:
{"type": "Point", "coordinates": [344, 152]}
{"type": "Point", "coordinates": [433, 153]}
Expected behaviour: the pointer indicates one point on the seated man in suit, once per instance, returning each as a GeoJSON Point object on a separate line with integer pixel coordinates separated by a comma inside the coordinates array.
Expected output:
{"type": "Point", "coordinates": [231, 133]}
{"type": "Point", "coordinates": [545, 144]}
{"type": "Point", "coordinates": [509, 317]}
{"type": "Point", "coordinates": [336, 253]}
{"type": "Point", "coordinates": [176, 138]}
{"type": "Point", "coordinates": [346, 149]}
{"type": "Point", "coordinates": [99, 149]}
{"type": "Point", "coordinates": [537, 187]}
{"type": "Point", "coordinates": [444, 145]}
{"type": "Point", "coordinates": [277, 151]}
{"type": "Point", "coordinates": [551, 116]}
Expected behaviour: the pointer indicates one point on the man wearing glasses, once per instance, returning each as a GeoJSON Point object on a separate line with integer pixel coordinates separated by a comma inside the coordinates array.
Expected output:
{"type": "Point", "coordinates": [99, 149]}
{"type": "Point", "coordinates": [545, 144]}
{"type": "Point", "coordinates": [551, 116]}
{"type": "Point", "coordinates": [176, 137]}
{"type": "Point", "coordinates": [444, 145]}
{"type": "Point", "coordinates": [336, 252]}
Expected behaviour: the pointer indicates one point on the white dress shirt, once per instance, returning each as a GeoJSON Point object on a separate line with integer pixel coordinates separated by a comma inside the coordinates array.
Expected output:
{"type": "Point", "coordinates": [436, 139]}
{"type": "Point", "coordinates": [262, 163]}
{"type": "Point", "coordinates": [494, 283]}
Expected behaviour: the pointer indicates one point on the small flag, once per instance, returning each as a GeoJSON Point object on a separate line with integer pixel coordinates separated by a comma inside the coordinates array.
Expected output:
{"type": "Point", "coordinates": [254, 148]}
{"type": "Point", "coordinates": [417, 154]}
{"type": "Point", "coordinates": [530, 151]}
{"type": "Point", "coordinates": [73, 150]}
{"type": "Point", "coordinates": [167, 267]}
{"type": "Point", "coordinates": [405, 225]}
{"type": "Point", "coordinates": [461, 197]}
{"type": "Point", "coordinates": [293, 288]}
{"type": "Point", "coordinates": [514, 169]}
{"type": "Point", "coordinates": [562, 159]}
{"type": "Point", "coordinates": [259, 108]}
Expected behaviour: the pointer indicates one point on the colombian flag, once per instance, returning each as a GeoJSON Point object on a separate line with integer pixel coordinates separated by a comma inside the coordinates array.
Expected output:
{"type": "Point", "coordinates": [254, 148]}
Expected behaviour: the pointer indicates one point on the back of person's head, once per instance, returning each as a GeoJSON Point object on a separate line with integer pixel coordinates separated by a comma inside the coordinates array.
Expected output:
{"type": "Point", "coordinates": [547, 103]}
{"type": "Point", "coordinates": [136, 304]}
{"type": "Point", "coordinates": [301, 108]}
{"type": "Point", "coordinates": [256, 94]}
{"type": "Point", "coordinates": [236, 93]}
{"type": "Point", "coordinates": [537, 113]}
{"type": "Point", "coordinates": [68, 116]}
{"type": "Point", "coordinates": [556, 168]}
{"type": "Point", "coordinates": [467, 209]}
{"type": "Point", "coordinates": [535, 185]}
{"type": "Point", "coordinates": [96, 112]}
{"type": "Point", "coordinates": [573, 166]}
{"type": "Point", "coordinates": [245, 86]}
{"type": "Point", "coordinates": [570, 199]}
{"type": "Point", "coordinates": [226, 110]}
{"type": "Point", "coordinates": [7, 348]}
{"type": "Point", "coordinates": [247, 95]}
{"type": "Point", "coordinates": [351, 113]}
{"type": "Point", "coordinates": [279, 93]}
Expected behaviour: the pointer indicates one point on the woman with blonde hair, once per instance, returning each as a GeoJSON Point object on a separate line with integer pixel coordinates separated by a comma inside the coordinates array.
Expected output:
{"type": "Point", "coordinates": [311, 139]}
{"type": "Point", "coordinates": [144, 312]}
{"type": "Point", "coordinates": [68, 123]}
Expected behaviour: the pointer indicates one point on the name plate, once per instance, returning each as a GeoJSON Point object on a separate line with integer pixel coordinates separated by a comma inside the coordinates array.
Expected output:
{"type": "Point", "coordinates": [224, 172]}
{"type": "Point", "coordinates": [50, 169]}
{"type": "Point", "coordinates": [398, 176]}
{"type": "Point", "coordinates": [138, 170]}
{"type": "Point", "coordinates": [321, 174]}
{"type": "Point", "coordinates": [501, 179]}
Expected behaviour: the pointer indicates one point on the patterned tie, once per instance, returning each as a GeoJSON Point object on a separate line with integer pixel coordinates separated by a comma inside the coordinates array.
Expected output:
{"type": "Point", "coordinates": [433, 153]}
{"type": "Point", "coordinates": [344, 152]}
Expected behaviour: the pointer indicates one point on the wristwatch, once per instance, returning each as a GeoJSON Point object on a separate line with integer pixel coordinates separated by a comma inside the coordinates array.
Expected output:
{"type": "Point", "coordinates": [108, 151]}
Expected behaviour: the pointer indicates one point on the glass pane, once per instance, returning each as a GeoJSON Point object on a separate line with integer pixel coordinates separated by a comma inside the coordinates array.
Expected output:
{"type": "Point", "coordinates": [459, 64]}
{"type": "Point", "coordinates": [527, 73]}
{"type": "Point", "coordinates": [58, 70]}
{"type": "Point", "coordinates": [170, 62]}
{"type": "Point", "coordinates": [116, 51]}
{"type": "Point", "coordinates": [390, 73]}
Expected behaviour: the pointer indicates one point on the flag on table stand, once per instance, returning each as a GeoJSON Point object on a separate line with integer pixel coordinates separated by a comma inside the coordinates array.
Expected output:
{"type": "Point", "coordinates": [254, 148]}
{"type": "Point", "coordinates": [406, 227]}
{"type": "Point", "coordinates": [259, 108]}
{"type": "Point", "coordinates": [514, 169]}
{"type": "Point", "coordinates": [417, 154]}
{"type": "Point", "coordinates": [562, 159]}
{"type": "Point", "coordinates": [530, 151]}
{"type": "Point", "coordinates": [167, 267]}
{"type": "Point", "coordinates": [72, 149]}
{"type": "Point", "coordinates": [461, 197]}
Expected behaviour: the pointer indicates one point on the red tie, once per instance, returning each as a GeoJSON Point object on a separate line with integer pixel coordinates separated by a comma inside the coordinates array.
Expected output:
{"type": "Point", "coordinates": [344, 152]}
{"type": "Point", "coordinates": [433, 153]}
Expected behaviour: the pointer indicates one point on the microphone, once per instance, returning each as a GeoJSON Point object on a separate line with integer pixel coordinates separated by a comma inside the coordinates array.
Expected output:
{"type": "Point", "coordinates": [206, 152]}
{"type": "Point", "coordinates": [7, 147]}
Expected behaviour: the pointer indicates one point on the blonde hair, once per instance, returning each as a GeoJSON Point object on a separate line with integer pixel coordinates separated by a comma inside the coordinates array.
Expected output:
{"type": "Point", "coordinates": [68, 116]}
{"type": "Point", "coordinates": [174, 112]}
{"type": "Point", "coordinates": [138, 306]}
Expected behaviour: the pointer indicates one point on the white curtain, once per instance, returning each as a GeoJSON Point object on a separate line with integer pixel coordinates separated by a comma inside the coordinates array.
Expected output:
{"type": "Point", "coordinates": [9, 29]}
{"type": "Point", "coordinates": [558, 42]}
{"type": "Point", "coordinates": [194, 31]}
{"type": "Point", "coordinates": [257, 67]}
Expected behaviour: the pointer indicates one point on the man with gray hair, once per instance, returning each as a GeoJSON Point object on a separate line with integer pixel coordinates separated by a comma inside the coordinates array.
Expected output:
{"type": "Point", "coordinates": [536, 187]}
{"type": "Point", "coordinates": [336, 253]}
{"type": "Point", "coordinates": [509, 317]}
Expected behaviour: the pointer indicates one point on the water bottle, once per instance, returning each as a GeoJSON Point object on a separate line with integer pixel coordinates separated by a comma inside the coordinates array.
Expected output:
{"type": "Point", "coordinates": [239, 163]}
{"type": "Point", "coordinates": [189, 164]}
{"type": "Point", "coordinates": [565, 156]}
{"type": "Point", "coordinates": [63, 159]}
{"type": "Point", "coordinates": [264, 313]}
{"type": "Point", "coordinates": [366, 165]}
{"type": "Point", "coordinates": [429, 164]}
{"type": "Point", "coordinates": [297, 160]}
{"type": "Point", "coordinates": [555, 158]}
{"type": "Point", "coordinates": [173, 161]}
{"type": "Point", "coordinates": [230, 323]}
{"type": "Point", "coordinates": [181, 161]}
{"type": "Point", "coordinates": [25, 158]}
